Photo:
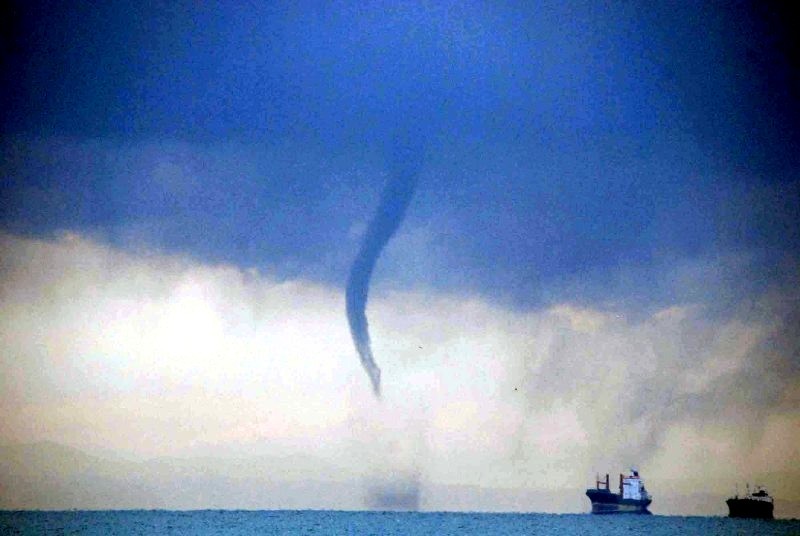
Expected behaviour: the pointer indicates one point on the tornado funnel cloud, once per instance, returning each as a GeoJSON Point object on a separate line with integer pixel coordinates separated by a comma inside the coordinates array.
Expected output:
{"type": "Point", "coordinates": [395, 198]}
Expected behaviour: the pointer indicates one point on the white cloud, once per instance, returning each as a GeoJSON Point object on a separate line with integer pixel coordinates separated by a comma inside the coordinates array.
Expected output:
{"type": "Point", "coordinates": [156, 355]}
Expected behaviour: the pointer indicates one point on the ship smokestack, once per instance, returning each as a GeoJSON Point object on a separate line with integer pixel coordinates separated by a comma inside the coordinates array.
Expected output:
{"type": "Point", "coordinates": [620, 483]}
{"type": "Point", "coordinates": [607, 482]}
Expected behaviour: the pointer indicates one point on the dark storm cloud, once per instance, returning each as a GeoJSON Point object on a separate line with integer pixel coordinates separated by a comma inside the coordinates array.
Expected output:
{"type": "Point", "coordinates": [568, 143]}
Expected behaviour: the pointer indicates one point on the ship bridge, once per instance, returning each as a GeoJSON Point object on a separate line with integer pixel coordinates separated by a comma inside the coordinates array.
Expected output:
{"type": "Point", "coordinates": [632, 487]}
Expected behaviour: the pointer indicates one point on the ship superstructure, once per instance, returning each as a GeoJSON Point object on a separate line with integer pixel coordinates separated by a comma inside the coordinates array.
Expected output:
{"type": "Point", "coordinates": [632, 498]}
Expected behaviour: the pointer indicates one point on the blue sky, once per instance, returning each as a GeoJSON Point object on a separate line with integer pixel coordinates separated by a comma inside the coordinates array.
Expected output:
{"type": "Point", "coordinates": [573, 151]}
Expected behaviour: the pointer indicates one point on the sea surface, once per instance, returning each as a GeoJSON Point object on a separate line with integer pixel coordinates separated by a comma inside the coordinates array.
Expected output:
{"type": "Point", "coordinates": [126, 522]}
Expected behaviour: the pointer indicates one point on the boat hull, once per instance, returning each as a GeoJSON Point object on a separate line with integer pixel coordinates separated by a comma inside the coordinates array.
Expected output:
{"type": "Point", "coordinates": [749, 508]}
{"type": "Point", "coordinates": [604, 502]}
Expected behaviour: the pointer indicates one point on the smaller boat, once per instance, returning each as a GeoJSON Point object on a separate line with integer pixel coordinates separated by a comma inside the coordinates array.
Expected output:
{"type": "Point", "coordinates": [756, 504]}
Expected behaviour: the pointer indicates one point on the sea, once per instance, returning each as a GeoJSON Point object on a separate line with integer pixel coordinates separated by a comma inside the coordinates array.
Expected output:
{"type": "Point", "coordinates": [241, 522]}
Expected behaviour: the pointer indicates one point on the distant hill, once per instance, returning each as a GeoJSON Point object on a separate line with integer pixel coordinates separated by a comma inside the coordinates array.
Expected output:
{"type": "Point", "coordinates": [51, 476]}
{"type": "Point", "coordinates": [56, 477]}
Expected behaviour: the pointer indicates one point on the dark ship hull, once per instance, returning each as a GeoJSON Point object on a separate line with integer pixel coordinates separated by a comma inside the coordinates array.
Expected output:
{"type": "Point", "coordinates": [750, 508]}
{"type": "Point", "coordinates": [606, 502]}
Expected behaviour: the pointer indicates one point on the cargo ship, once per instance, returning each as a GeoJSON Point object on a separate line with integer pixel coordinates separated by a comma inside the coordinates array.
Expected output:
{"type": "Point", "coordinates": [756, 504]}
{"type": "Point", "coordinates": [632, 498]}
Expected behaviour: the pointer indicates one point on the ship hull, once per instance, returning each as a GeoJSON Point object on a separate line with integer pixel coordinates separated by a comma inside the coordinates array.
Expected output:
{"type": "Point", "coordinates": [604, 502]}
{"type": "Point", "coordinates": [749, 508]}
